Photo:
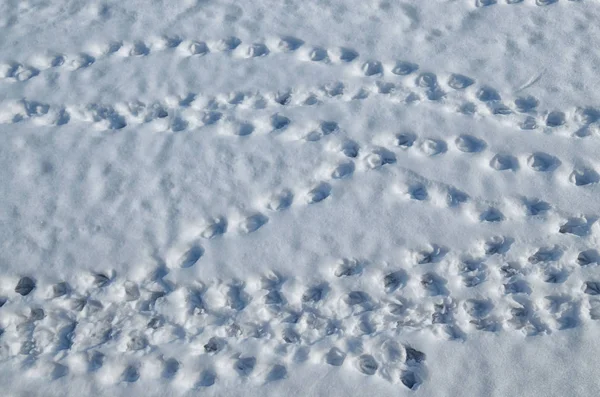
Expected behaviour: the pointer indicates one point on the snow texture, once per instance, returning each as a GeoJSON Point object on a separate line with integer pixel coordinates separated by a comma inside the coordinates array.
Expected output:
{"type": "Point", "coordinates": [303, 197]}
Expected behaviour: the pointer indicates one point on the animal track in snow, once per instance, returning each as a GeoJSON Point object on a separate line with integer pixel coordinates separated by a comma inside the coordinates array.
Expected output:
{"type": "Point", "coordinates": [318, 193]}
{"type": "Point", "coordinates": [252, 223]}
{"type": "Point", "coordinates": [427, 82]}
{"type": "Point", "coordinates": [543, 162]}
{"type": "Point", "coordinates": [305, 321]}
{"type": "Point", "coordinates": [433, 147]}
{"type": "Point", "coordinates": [539, 3]}
{"type": "Point", "coordinates": [281, 200]}
{"type": "Point", "coordinates": [469, 144]}
{"type": "Point", "coordinates": [584, 176]}
{"type": "Point", "coordinates": [191, 256]}
{"type": "Point", "coordinates": [417, 188]}
{"type": "Point", "coordinates": [214, 228]}
{"type": "Point", "coordinates": [435, 286]}
{"type": "Point", "coordinates": [190, 116]}
{"type": "Point", "coordinates": [503, 162]}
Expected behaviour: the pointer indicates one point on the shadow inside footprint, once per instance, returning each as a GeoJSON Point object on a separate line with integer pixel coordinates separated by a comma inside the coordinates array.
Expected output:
{"type": "Point", "coordinates": [535, 206]}
{"type": "Point", "coordinates": [279, 122]}
{"type": "Point", "coordinates": [318, 54]}
{"type": "Point", "coordinates": [543, 162]}
{"type": "Point", "coordinates": [427, 80]}
{"type": "Point", "coordinates": [315, 294]}
{"type": "Point", "coordinates": [414, 356]}
{"type": "Point", "coordinates": [334, 89]}
{"type": "Point", "coordinates": [380, 157]}
{"type": "Point", "coordinates": [357, 298]}
{"type": "Point", "coordinates": [335, 357]}
{"type": "Point", "coordinates": [245, 365]}
{"type": "Point", "coordinates": [405, 140]}
{"type": "Point", "coordinates": [556, 276]}
{"type": "Point", "coordinates": [252, 223]}
{"type": "Point", "coordinates": [319, 193]}
{"type": "Point", "coordinates": [178, 124]}
{"type": "Point", "coordinates": [418, 192]}
{"type": "Point", "coordinates": [460, 82]}
{"type": "Point", "coordinates": [434, 284]}
{"type": "Point", "coordinates": [347, 54]}
{"type": "Point", "coordinates": [101, 280]}
{"type": "Point", "coordinates": [410, 380]}
{"type": "Point", "coordinates": [343, 170]}
{"type": "Point", "coordinates": [367, 364]}
{"type": "Point", "coordinates": [433, 147]}
{"type": "Point", "coordinates": [588, 257]}
{"type": "Point", "coordinates": [502, 162]}
{"type": "Point", "coordinates": [170, 368]}
{"type": "Point", "coordinates": [526, 104]}
{"type": "Point", "coordinates": [432, 254]}
{"type": "Point", "coordinates": [517, 287]}
{"type": "Point", "coordinates": [469, 144]}
{"type": "Point", "coordinates": [278, 372]}
{"type": "Point", "coordinates": [214, 345]}
{"type": "Point", "coordinates": [592, 287]}
{"type": "Point", "coordinates": [478, 308]}
{"type": "Point", "coordinates": [577, 226]}
{"type": "Point", "coordinates": [491, 215]}
{"type": "Point", "coordinates": [350, 148]}
{"type": "Point", "coordinates": [58, 371]}
{"type": "Point", "coordinates": [584, 176]}
{"type": "Point", "coordinates": [130, 374]}
{"type": "Point", "coordinates": [546, 254]}
{"type": "Point", "coordinates": [237, 299]}
{"type": "Point", "coordinates": [257, 50]}
{"type": "Point", "coordinates": [198, 48]}
{"type": "Point", "coordinates": [485, 3]}
{"type": "Point", "coordinates": [192, 256]}
{"type": "Point", "coordinates": [96, 361]}
{"type": "Point", "coordinates": [25, 286]}
{"type": "Point", "coordinates": [139, 49]}
{"type": "Point", "coordinates": [274, 297]}
{"type": "Point", "coordinates": [498, 245]}
{"type": "Point", "coordinates": [372, 68]}
{"type": "Point", "coordinates": [290, 43]}
{"type": "Point", "coordinates": [281, 200]}
{"type": "Point", "coordinates": [488, 94]}
{"type": "Point", "coordinates": [456, 197]}
{"type": "Point", "coordinates": [555, 119]}
{"type": "Point", "coordinates": [211, 117]}
{"type": "Point", "coordinates": [290, 336]}
{"type": "Point", "coordinates": [228, 44]}
{"type": "Point", "coordinates": [348, 267]}
{"type": "Point", "coordinates": [207, 378]}
{"type": "Point", "coordinates": [402, 68]}
{"type": "Point", "coordinates": [215, 228]}
{"type": "Point", "coordinates": [528, 123]}
{"type": "Point", "coordinates": [393, 281]}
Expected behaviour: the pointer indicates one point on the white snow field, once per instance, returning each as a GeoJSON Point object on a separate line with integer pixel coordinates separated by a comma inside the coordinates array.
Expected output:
{"type": "Point", "coordinates": [299, 198]}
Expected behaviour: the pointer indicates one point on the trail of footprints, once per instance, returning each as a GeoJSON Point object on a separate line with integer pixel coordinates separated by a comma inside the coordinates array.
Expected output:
{"type": "Point", "coordinates": [355, 317]}
{"type": "Point", "coordinates": [414, 187]}
{"type": "Point", "coordinates": [540, 162]}
{"type": "Point", "coordinates": [193, 111]}
{"type": "Point", "coordinates": [199, 110]}
{"type": "Point", "coordinates": [539, 3]}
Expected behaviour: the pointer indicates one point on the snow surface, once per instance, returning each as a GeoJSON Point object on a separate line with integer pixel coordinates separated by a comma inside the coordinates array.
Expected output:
{"type": "Point", "coordinates": [316, 197]}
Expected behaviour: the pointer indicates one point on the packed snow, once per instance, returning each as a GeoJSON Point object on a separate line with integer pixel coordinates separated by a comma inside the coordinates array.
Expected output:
{"type": "Point", "coordinates": [299, 197]}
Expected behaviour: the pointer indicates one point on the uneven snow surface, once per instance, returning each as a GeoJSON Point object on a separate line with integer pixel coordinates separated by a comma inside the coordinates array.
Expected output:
{"type": "Point", "coordinates": [299, 197]}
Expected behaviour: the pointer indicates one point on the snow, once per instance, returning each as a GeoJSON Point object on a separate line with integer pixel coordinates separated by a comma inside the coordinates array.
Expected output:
{"type": "Point", "coordinates": [301, 197]}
